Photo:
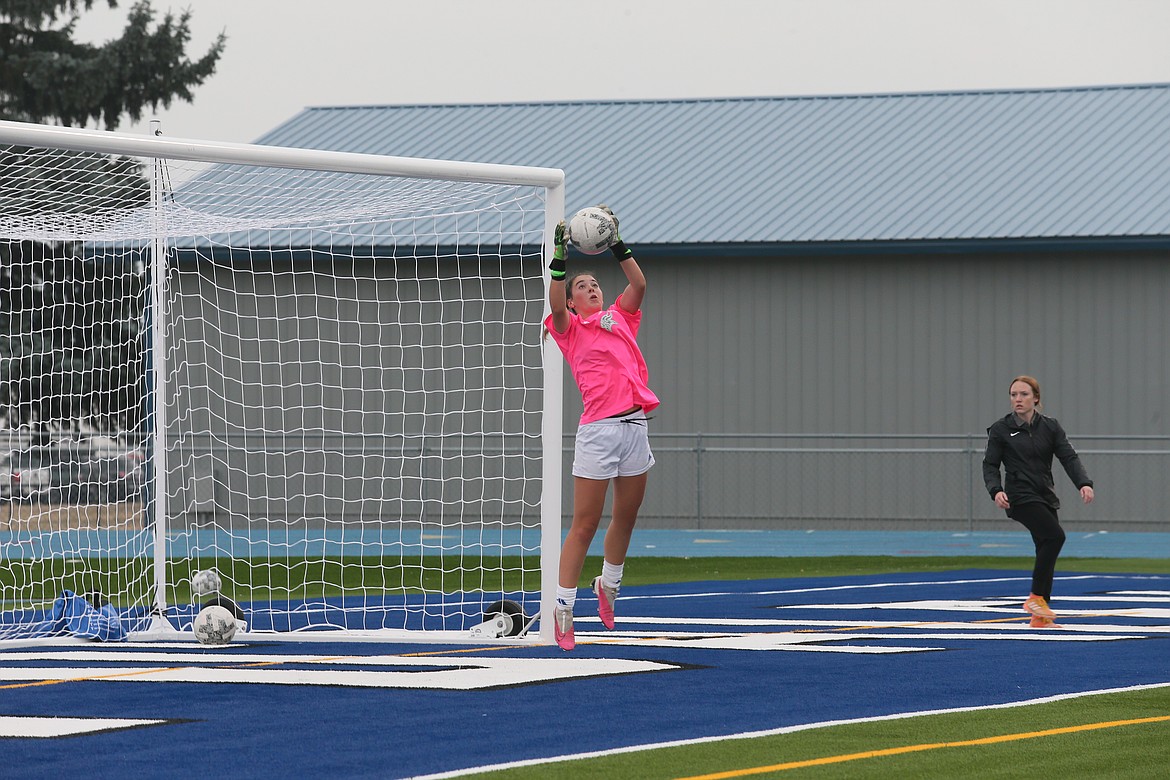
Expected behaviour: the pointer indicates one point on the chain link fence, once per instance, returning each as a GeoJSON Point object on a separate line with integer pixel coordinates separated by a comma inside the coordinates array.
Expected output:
{"type": "Point", "coordinates": [701, 481]}
{"type": "Point", "coordinates": [883, 482]}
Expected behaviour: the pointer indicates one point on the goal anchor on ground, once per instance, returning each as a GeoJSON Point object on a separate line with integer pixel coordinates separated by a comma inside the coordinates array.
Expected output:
{"type": "Point", "coordinates": [501, 619]}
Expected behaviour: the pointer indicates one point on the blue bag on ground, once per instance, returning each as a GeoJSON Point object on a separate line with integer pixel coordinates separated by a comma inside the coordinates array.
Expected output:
{"type": "Point", "coordinates": [73, 614]}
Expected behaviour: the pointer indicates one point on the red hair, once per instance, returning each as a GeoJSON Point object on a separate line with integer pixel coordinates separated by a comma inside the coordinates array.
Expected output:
{"type": "Point", "coordinates": [1030, 382]}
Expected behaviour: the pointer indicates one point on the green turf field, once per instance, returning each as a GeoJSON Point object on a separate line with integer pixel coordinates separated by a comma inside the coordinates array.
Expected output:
{"type": "Point", "coordinates": [648, 571]}
{"type": "Point", "coordinates": [278, 578]}
{"type": "Point", "coordinates": [1118, 735]}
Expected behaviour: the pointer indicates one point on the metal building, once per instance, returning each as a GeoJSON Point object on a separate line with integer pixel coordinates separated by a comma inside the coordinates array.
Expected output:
{"type": "Point", "coordinates": [841, 288]}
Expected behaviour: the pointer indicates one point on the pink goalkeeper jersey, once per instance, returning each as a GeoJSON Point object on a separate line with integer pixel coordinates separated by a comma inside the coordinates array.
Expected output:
{"type": "Point", "coordinates": [602, 352]}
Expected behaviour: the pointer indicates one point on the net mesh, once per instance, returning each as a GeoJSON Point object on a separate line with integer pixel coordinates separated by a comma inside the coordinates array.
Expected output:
{"type": "Point", "coordinates": [349, 411]}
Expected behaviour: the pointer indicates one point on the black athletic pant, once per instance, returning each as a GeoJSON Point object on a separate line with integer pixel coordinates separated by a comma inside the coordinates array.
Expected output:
{"type": "Point", "coordinates": [1042, 522]}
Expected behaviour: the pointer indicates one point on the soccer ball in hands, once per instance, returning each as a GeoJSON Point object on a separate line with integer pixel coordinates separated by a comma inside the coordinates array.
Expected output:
{"type": "Point", "coordinates": [205, 581]}
{"type": "Point", "coordinates": [215, 625]}
{"type": "Point", "coordinates": [592, 230]}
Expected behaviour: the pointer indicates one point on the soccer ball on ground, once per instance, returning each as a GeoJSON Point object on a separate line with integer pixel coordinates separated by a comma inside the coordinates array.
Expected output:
{"type": "Point", "coordinates": [205, 581]}
{"type": "Point", "coordinates": [215, 625]}
{"type": "Point", "coordinates": [592, 230]}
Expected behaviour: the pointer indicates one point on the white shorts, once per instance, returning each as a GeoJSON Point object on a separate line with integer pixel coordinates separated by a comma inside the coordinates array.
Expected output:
{"type": "Point", "coordinates": [613, 447]}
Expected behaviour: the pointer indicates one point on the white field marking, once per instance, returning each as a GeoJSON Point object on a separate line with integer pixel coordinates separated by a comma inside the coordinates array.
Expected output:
{"type": "Point", "coordinates": [994, 606]}
{"type": "Point", "coordinates": [872, 585]}
{"type": "Point", "coordinates": [935, 605]}
{"type": "Point", "coordinates": [43, 727]}
{"type": "Point", "coordinates": [16, 645]}
{"type": "Point", "coordinates": [836, 642]}
{"type": "Point", "coordinates": [462, 673]}
{"type": "Point", "coordinates": [847, 625]}
{"type": "Point", "coordinates": [840, 642]}
{"type": "Point", "coordinates": [862, 636]}
{"type": "Point", "coordinates": [804, 643]}
{"type": "Point", "coordinates": [778, 731]}
{"type": "Point", "coordinates": [1152, 613]}
{"type": "Point", "coordinates": [1140, 598]}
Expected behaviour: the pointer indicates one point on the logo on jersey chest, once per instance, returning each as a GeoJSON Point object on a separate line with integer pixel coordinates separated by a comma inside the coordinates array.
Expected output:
{"type": "Point", "coordinates": [606, 321]}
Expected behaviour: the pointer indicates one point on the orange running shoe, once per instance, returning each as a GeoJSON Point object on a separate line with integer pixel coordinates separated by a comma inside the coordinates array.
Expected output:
{"type": "Point", "coordinates": [1038, 607]}
{"type": "Point", "coordinates": [1040, 622]}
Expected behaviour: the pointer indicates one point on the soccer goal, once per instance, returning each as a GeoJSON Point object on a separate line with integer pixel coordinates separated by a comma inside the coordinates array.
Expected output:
{"type": "Point", "coordinates": [330, 367]}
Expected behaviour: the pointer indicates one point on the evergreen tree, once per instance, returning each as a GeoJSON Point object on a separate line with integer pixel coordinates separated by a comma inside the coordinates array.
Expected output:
{"type": "Point", "coordinates": [46, 76]}
{"type": "Point", "coordinates": [71, 349]}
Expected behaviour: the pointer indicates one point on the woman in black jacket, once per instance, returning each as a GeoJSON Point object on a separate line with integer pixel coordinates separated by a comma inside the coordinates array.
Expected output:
{"type": "Point", "coordinates": [1024, 442]}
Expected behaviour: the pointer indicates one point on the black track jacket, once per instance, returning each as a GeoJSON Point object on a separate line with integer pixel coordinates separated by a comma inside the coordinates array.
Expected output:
{"type": "Point", "coordinates": [1026, 454]}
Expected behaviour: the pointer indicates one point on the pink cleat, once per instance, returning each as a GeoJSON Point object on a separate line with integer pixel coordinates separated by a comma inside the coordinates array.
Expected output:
{"type": "Point", "coordinates": [563, 628]}
{"type": "Point", "coordinates": [606, 596]}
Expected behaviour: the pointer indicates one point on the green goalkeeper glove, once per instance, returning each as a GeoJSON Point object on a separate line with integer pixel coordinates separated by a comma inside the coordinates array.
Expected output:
{"type": "Point", "coordinates": [608, 210]}
{"type": "Point", "coordinates": [560, 249]}
{"type": "Point", "coordinates": [618, 247]}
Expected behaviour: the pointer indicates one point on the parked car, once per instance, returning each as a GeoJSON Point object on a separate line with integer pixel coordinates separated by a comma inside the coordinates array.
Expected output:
{"type": "Point", "coordinates": [71, 474]}
{"type": "Point", "coordinates": [25, 473]}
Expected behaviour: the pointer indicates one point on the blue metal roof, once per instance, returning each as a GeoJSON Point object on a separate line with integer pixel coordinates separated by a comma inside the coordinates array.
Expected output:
{"type": "Point", "coordinates": [1020, 164]}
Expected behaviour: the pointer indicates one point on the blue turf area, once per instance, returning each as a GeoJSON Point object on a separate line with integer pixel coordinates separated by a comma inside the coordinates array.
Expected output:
{"type": "Point", "coordinates": [675, 543]}
{"type": "Point", "coordinates": [687, 661]}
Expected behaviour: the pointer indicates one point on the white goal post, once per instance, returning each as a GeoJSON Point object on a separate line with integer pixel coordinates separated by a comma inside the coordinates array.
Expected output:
{"type": "Point", "coordinates": [321, 374]}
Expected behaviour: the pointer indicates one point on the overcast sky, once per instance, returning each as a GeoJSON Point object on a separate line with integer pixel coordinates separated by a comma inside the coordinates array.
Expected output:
{"type": "Point", "coordinates": [285, 55]}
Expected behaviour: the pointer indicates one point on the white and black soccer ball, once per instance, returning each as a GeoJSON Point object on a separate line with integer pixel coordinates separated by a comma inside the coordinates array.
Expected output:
{"type": "Point", "coordinates": [592, 230]}
{"type": "Point", "coordinates": [215, 625]}
{"type": "Point", "coordinates": [205, 581]}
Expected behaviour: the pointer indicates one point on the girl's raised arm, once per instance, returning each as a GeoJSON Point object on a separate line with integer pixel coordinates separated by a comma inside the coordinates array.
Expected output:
{"type": "Point", "coordinates": [557, 301]}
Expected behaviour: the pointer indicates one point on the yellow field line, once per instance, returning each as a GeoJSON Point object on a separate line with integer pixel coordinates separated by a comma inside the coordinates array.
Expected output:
{"type": "Point", "coordinates": [90, 678]}
{"type": "Point", "coordinates": [457, 651]}
{"type": "Point", "coordinates": [154, 669]}
{"type": "Point", "coordinates": [31, 684]}
{"type": "Point", "coordinates": [925, 623]}
{"type": "Point", "coordinates": [916, 624]}
{"type": "Point", "coordinates": [759, 770]}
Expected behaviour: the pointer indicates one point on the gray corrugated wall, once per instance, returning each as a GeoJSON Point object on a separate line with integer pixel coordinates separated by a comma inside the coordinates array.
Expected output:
{"type": "Point", "coordinates": [903, 344]}
{"type": "Point", "coordinates": [898, 344]}
{"type": "Point", "coordinates": [890, 345]}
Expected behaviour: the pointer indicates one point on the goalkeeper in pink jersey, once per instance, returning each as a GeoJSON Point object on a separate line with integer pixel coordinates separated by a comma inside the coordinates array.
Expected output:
{"type": "Point", "coordinates": [613, 444]}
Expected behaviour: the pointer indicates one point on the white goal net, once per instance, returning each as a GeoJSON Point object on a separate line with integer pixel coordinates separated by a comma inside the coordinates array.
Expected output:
{"type": "Point", "coordinates": [320, 375]}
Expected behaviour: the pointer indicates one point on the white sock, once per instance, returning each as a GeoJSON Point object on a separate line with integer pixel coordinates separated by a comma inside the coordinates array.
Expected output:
{"type": "Point", "coordinates": [566, 597]}
{"type": "Point", "coordinates": [611, 574]}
